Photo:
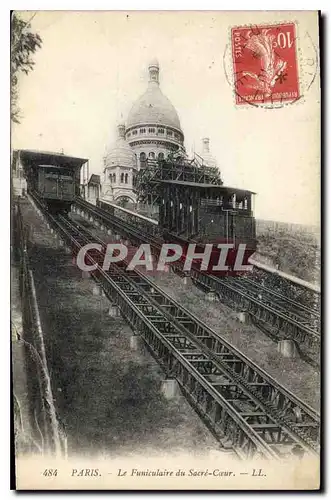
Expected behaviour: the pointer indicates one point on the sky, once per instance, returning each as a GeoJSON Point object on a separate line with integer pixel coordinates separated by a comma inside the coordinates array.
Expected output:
{"type": "Point", "coordinates": [93, 65]}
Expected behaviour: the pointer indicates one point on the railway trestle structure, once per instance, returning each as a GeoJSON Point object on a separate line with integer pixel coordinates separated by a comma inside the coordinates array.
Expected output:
{"type": "Point", "coordinates": [282, 319]}
{"type": "Point", "coordinates": [246, 408]}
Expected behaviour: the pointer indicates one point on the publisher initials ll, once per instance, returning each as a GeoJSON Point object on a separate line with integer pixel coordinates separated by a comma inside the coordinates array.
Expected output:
{"type": "Point", "coordinates": [257, 472]}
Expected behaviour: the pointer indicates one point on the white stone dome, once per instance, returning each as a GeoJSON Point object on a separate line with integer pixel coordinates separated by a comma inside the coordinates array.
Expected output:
{"type": "Point", "coordinates": [153, 107]}
{"type": "Point", "coordinates": [120, 153]}
{"type": "Point", "coordinates": [208, 159]}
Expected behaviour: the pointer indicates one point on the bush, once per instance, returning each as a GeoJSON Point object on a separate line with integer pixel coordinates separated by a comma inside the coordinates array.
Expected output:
{"type": "Point", "coordinates": [296, 253]}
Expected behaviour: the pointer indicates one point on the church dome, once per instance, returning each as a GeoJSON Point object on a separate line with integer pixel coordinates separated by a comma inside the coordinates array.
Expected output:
{"type": "Point", "coordinates": [120, 154]}
{"type": "Point", "coordinates": [153, 107]}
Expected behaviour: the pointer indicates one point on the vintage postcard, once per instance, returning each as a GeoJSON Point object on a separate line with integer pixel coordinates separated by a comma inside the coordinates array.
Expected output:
{"type": "Point", "coordinates": [165, 250]}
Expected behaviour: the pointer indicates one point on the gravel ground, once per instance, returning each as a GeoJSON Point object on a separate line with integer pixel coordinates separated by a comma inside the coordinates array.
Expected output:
{"type": "Point", "coordinates": [107, 396]}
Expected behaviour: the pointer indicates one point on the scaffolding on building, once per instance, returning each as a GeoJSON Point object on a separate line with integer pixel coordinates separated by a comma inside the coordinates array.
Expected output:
{"type": "Point", "coordinates": [149, 181]}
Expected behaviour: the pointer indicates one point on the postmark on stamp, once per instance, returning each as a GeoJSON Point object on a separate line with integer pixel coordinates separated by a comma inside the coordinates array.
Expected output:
{"type": "Point", "coordinates": [265, 65]}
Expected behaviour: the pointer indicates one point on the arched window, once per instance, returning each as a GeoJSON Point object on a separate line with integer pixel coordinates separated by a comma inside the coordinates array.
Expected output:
{"type": "Point", "coordinates": [122, 177]}
{"type": "Point", "coordinates": [114, 177]}
{"type": "Point", "coordinates": [151, 155]}
{"type": "Point", "coordinates": [142, 159]}
{"type": "Point", "coordinates": [126, 178]}
{"type": "Point", "coordinates": [110, 178]}
{"type": "Point", "coordinates": [160, 156]}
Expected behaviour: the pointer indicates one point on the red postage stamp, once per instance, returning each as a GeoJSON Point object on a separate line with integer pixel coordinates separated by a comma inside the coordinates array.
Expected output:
{"type": "Point", "coordinates": [265, 64]}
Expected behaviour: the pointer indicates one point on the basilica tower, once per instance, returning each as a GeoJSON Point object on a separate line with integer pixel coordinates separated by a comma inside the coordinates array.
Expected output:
{"type": "Point", "coordinates": [119, 167]}
{"type": "Point", "coordinates": [208, 159]}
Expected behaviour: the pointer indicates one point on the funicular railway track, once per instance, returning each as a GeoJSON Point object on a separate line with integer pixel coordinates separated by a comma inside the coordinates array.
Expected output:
{"type": "Point", "coordinates": [246, 409]}
{"type": "Point", "coordinates": [299, 312]}
{"type": "Point", "coordinates": [287, 318]}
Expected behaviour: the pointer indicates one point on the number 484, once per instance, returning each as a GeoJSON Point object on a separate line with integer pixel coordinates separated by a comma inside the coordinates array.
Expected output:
{"type": "Point", "coordinates": [50, 472]}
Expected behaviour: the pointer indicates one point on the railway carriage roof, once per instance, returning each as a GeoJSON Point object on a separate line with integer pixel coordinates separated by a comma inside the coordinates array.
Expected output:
{"type": "Point", "coordinates": [198, 185]}
{"type": "Point", "coordinates": [31, 158]}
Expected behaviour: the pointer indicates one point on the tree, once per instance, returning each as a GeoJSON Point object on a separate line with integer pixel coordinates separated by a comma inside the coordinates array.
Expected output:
{"type": "Point", "coordinates": [24, 43]}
